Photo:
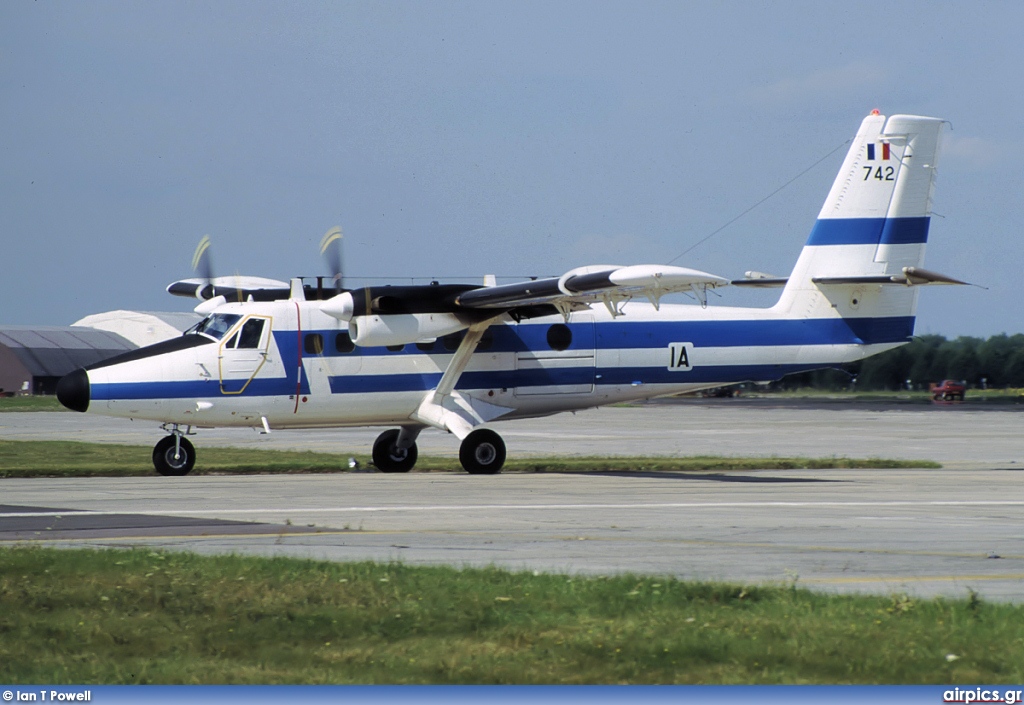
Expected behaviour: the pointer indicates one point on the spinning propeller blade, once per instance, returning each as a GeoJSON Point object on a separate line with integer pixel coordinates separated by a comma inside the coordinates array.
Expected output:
{"type": "Point", "coordinates": [202, 264]}
{"type": "Point", "coordinates": [330, 248]}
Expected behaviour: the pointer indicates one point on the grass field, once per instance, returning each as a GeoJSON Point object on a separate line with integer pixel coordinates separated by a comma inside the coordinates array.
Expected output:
{"type": "Point", "coordinates": [109, 617]}
{"type": "Point", "coordinates": [75, 459]}
{"type": "Point", "coordinates": [30, 404]}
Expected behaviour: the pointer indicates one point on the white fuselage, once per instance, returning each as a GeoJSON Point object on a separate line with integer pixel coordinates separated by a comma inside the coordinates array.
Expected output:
{"type": "Point", "coordinates": [302, 371]}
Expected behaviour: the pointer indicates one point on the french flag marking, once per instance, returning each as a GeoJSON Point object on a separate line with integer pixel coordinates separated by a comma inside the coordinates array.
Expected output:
{"type": "Point", "coordinates": [885, 152]}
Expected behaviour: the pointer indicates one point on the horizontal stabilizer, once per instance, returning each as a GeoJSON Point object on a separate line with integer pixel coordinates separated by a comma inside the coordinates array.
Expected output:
{"type": "Point", "coordinates": [912, 276]}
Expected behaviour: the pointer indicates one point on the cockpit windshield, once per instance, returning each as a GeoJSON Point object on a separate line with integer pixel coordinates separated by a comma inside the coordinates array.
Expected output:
{"type": "Point", "coordinates": [215, 325]}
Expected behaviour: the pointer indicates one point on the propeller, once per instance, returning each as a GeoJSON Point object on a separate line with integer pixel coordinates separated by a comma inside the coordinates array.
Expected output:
{"type": "Point", "coordinates": [330, 248]}
{"type": "Point", "coordinates": [235, 286]}
{"type": "Point", "coordinates": [202, 265]}
{"type": "Point", "coordinates": [215, 291]}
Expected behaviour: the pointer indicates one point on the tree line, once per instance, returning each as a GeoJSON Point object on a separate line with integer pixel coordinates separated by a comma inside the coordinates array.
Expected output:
{"type": "Point", "coordinates": [993, 363]}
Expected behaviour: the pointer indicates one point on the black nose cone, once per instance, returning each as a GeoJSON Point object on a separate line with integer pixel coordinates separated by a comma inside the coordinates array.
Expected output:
{"type": "Point", "coordinates": [73, 390]}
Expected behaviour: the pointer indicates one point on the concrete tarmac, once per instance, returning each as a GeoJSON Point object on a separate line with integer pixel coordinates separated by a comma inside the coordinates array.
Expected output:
{"type": "Point", "coordinates": [922, 532]}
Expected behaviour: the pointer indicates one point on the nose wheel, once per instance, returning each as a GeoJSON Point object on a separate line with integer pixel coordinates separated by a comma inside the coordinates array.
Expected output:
{"type": "Point", "coordinates": [482, 452]}
{"type": "Point", "coordinates": [174, 456]}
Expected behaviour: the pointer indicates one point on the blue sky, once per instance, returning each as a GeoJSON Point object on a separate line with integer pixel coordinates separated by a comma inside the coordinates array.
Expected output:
{"type": "Point", "coordinates": [456, 139]}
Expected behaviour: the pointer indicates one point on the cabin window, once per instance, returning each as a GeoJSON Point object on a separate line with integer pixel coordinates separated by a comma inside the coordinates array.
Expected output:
{"type": "Point", "coordinates": [396, 348]}
{"type": "Point", "coordinates": [251, 334]}
{"type": "Point", "coordinates": [313, 344]}
{"type": "Point", "coordinates": [559, 337]}
{"type": "Point", "coordinates": [343, 342]}
{"type": "Point", "coordinates": [426, 345]}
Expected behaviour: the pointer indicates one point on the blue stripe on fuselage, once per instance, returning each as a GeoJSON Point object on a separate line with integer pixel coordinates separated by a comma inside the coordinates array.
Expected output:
{"type": "Point", "coordinates": [869, 231]}
{"type": "Point", "coordinates": [612, 335]}
{"type": "Point", "coordinates": [599, 376]}
{"type": "Point", "coordinates": [191, 389]}
{"type": "Point", "coordinates": [727, 334]}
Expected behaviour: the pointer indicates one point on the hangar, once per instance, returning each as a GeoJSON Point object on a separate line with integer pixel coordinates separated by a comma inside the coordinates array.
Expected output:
{"type": "Point", "coordinates": [140, 327]}
{"type": "Point", "coordinates": [34, 358]}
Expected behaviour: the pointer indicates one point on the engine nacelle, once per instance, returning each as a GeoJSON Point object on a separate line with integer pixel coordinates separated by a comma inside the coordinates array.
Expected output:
{"type": "Point", "coordinates": [402, 328]}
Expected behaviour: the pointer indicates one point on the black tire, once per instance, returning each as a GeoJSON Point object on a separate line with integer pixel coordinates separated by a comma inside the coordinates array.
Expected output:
{"type": "Point", "coordinates": [482, 452]}
{"type": "Point", "coordinates": [389, 458]}
{"type": "Point", "coordinates": [167, 464]}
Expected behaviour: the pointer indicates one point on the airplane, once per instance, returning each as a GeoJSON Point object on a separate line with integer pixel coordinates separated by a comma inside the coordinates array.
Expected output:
{"type": "Point", "coordinates": [275, 355]}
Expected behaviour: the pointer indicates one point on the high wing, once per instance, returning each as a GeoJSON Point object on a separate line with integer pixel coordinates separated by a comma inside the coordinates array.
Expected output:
{"type": "Point", "coordinates": [611, 285]}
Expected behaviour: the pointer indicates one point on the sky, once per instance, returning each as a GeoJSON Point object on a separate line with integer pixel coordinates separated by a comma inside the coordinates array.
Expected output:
{"type": "Point", "coordinates": [456, 139]}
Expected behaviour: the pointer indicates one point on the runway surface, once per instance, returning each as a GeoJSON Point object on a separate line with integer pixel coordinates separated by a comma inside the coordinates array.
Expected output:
{"type": "Point", "coordinates": [923, 532]}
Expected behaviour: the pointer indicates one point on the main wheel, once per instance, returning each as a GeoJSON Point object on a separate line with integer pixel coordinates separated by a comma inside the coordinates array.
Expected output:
{"type": "Point", "coordinates": [388, 457]}
{"type": "Point", "coordinates": [482, 452]}
{"type": "Point", "coordinates": [168, 461]}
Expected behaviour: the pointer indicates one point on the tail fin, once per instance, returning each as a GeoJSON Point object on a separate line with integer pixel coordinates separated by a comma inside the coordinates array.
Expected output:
{"type": "Point", "coordinates": [874, 224]}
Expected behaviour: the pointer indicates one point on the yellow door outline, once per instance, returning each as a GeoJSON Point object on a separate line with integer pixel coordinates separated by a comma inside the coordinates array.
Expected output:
{"type": "Point", "coordinates": [261, 350]}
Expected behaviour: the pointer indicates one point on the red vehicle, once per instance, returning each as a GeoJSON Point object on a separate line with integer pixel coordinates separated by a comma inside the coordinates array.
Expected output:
{"type": "Point", "coordinates": [948, 390]}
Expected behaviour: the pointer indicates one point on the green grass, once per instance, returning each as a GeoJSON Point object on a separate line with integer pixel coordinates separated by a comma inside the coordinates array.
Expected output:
{"type": "Point", "coordinates": [30, 403]}
{"type": "Point", "coordinates": [111, 617]}
{"type": "Point", "coordinates": [75, 459]}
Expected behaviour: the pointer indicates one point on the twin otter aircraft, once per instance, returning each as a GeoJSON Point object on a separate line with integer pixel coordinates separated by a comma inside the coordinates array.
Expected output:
{"type": "Point", "coordinates": [459, 357]}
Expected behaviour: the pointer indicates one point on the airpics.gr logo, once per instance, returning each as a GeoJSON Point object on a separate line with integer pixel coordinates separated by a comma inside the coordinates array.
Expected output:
{"type": "Point", "coordinates": [981, 695]}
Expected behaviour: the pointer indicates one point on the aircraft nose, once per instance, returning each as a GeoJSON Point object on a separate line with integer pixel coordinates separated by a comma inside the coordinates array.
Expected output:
{"type": "Point", "coordinates": [73, 390]}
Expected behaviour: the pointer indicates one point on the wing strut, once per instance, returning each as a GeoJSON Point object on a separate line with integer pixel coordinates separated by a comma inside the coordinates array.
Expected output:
{"type": "Point", "coordinates": [447, 409]}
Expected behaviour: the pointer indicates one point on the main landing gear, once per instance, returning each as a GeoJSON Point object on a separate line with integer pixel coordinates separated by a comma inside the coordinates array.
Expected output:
{"type": "Point", "coordinates": [393, 453]}
{"type": "Point", "coordinates": [482, 451]}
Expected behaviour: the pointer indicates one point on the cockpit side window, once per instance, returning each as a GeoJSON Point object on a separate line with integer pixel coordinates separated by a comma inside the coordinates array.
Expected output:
{"type": "Point", "coordinates": [217, 325]}
{"type": "Point", "coordinates": [252, 332]}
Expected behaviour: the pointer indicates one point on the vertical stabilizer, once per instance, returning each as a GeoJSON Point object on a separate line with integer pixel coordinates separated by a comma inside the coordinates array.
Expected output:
{"type": "Point", "coordinates": [873, 224]}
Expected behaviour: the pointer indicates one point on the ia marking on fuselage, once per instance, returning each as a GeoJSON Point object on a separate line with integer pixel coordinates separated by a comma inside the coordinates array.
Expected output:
{"type": "Point", "coordinates": [460, 357]}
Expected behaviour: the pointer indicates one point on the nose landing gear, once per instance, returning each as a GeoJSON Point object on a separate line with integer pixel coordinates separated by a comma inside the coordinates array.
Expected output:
{"type": "Point", "coordinates": [174, 455]}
